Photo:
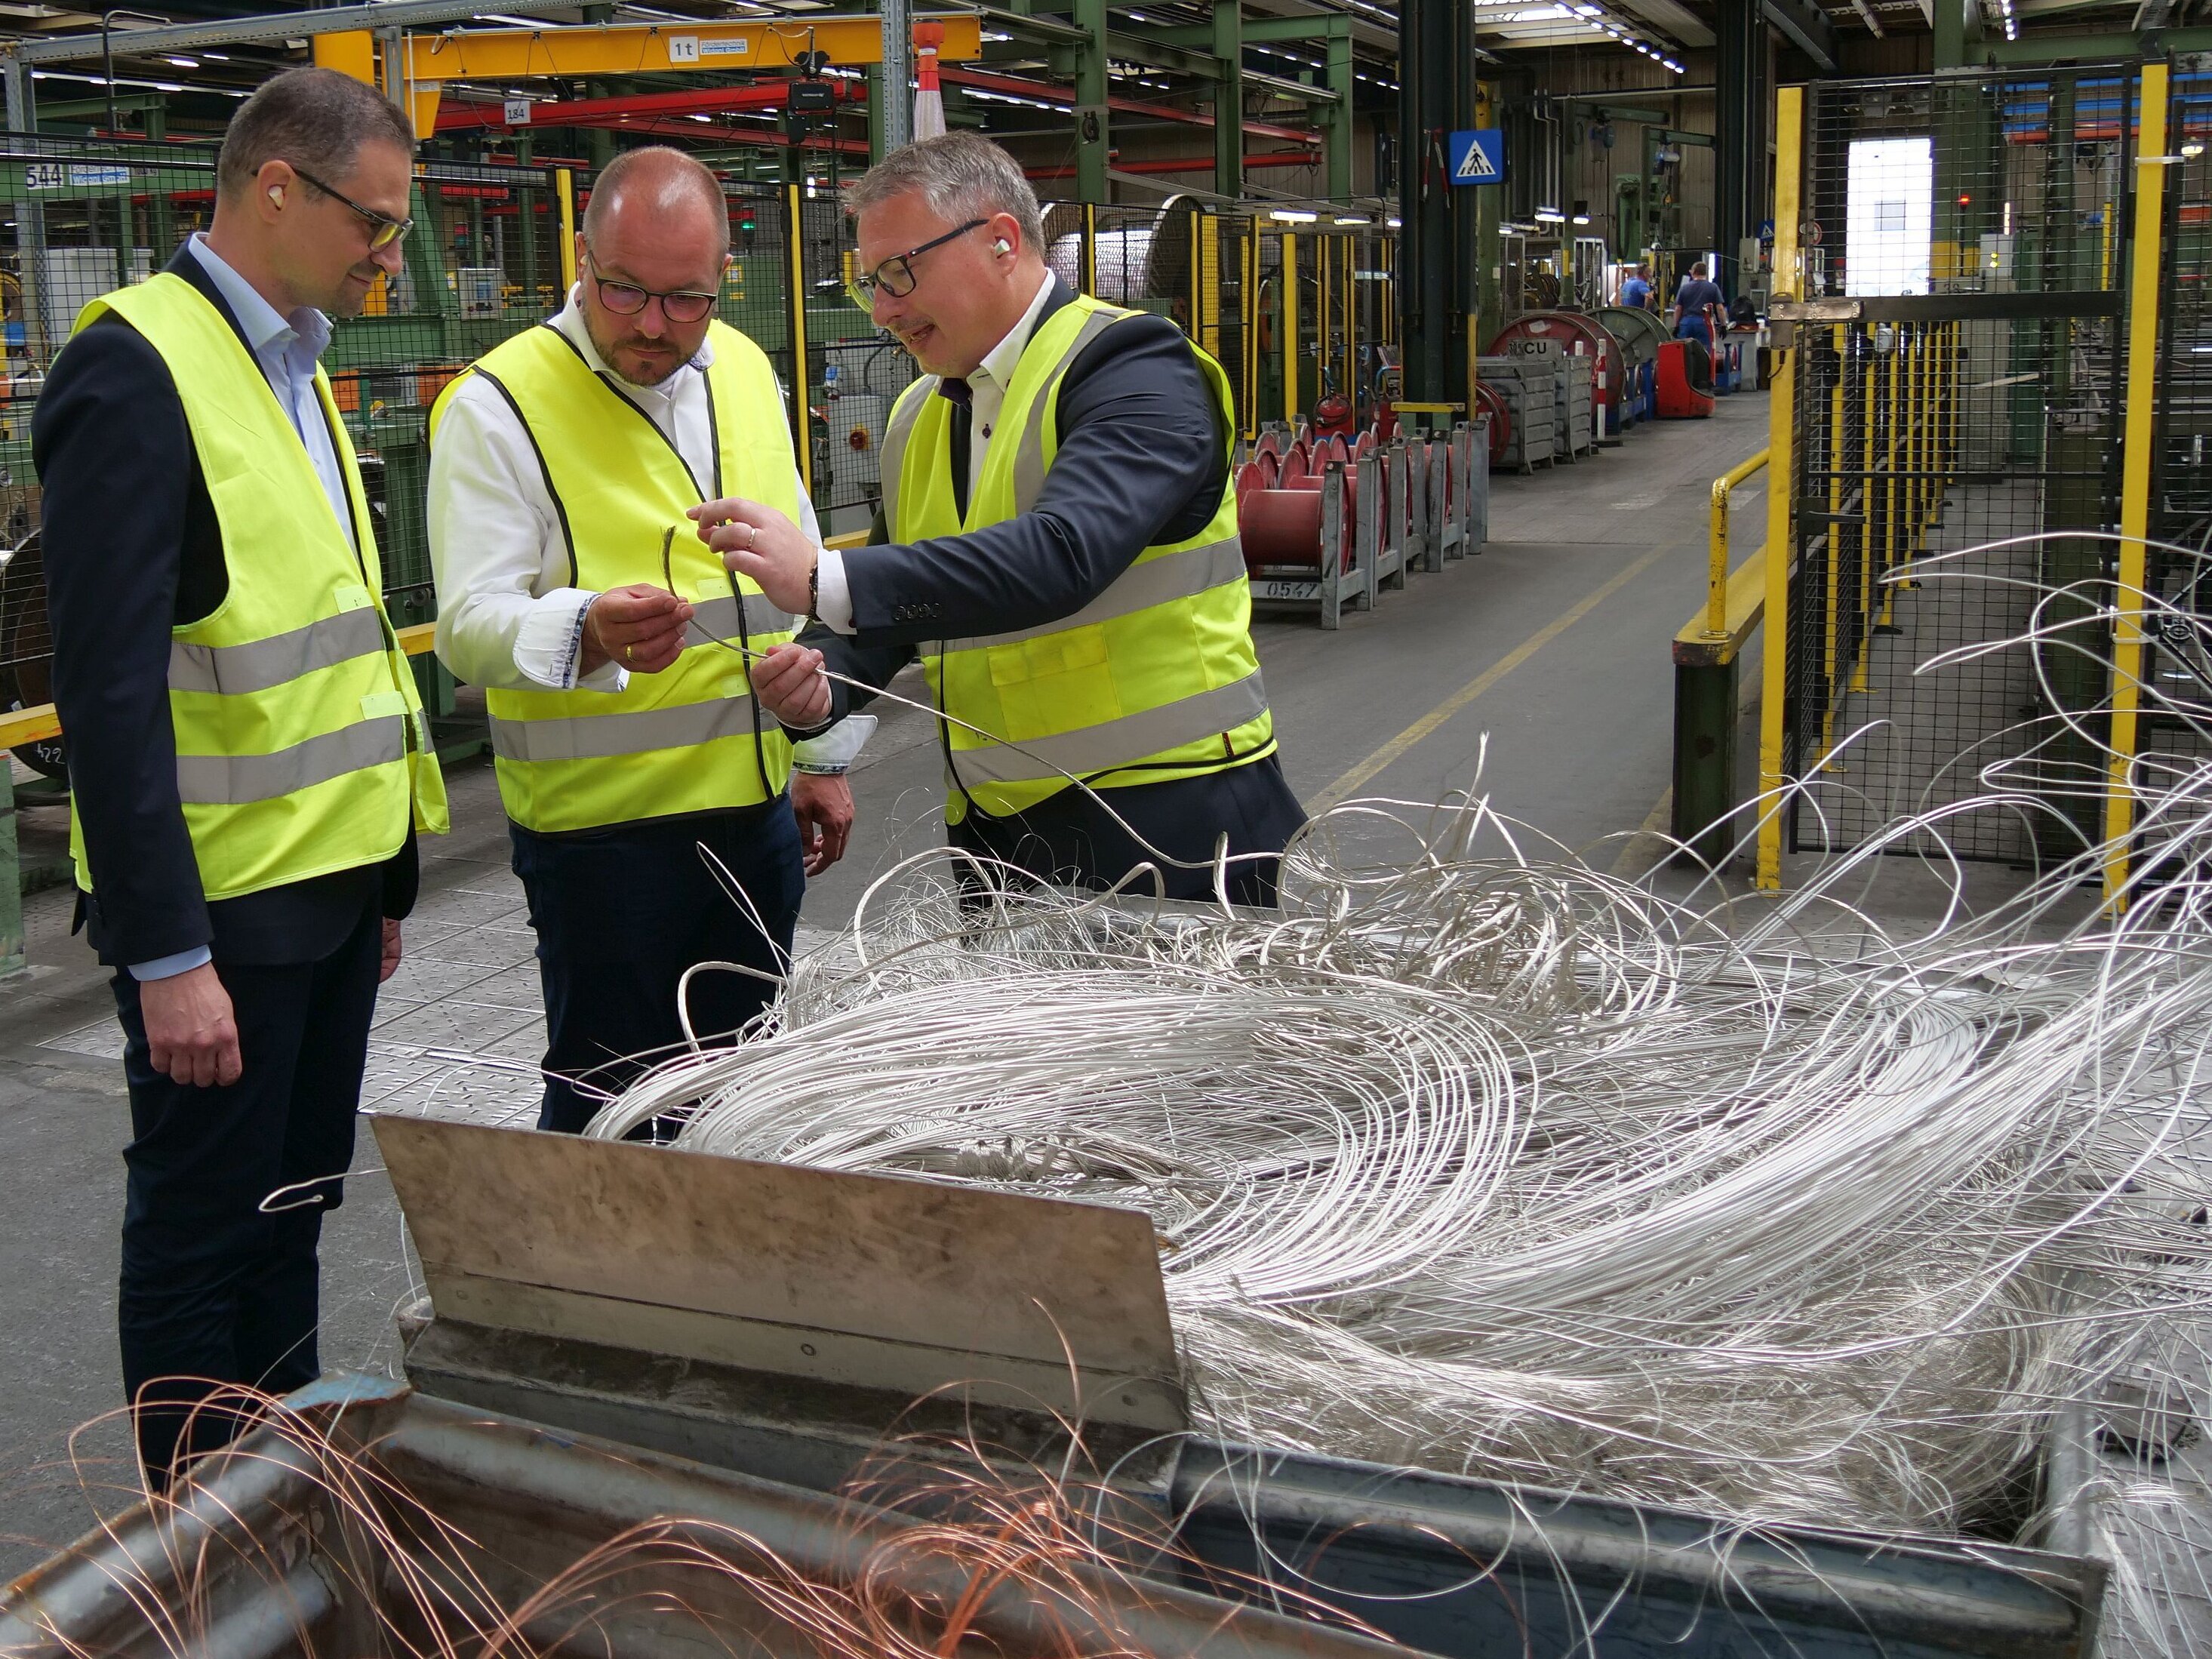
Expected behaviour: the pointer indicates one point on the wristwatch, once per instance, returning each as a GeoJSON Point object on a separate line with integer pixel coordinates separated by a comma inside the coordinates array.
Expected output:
{"type": "Point", "coordinates": [814, 590]}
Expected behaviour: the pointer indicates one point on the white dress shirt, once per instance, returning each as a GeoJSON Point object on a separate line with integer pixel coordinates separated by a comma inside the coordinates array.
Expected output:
{"type": "Point", "coordinates": [286, 347]}
{"type": "Point", "coordinates": [506, 615]}
{"type": "Point", "coordinates": [987, 396]}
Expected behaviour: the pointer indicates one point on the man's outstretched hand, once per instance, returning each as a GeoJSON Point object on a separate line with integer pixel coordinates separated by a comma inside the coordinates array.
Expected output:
{"type": "Point", "coordinates": [757, 541]}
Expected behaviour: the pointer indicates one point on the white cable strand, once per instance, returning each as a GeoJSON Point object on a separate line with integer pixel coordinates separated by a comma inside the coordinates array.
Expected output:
{"type": "Point", "coordinates": [1478, 1159]}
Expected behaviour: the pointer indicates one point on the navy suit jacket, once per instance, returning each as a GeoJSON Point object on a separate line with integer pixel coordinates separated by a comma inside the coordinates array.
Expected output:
{"type": "Point", "coordinates": [1143, 460]}
{"type": "Point", "coordinates": [133, 550]}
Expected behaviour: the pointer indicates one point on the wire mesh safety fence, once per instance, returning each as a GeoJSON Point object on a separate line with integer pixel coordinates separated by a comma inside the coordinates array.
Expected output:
{"type": "Point", "coordinates": [1965, 236]}
{"type": "Point", "coordinates": [490, 256]}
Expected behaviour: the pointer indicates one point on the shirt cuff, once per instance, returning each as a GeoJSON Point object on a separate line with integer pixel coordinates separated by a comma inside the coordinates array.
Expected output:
{"type": "Point", "coordinates": [549, 646]}
{"type": "Point", "coordinates": [169, 966]}
{"type": "Point", "coordinates": [834, 750]}
{"type": "Point", "coordinates": [833, 599]}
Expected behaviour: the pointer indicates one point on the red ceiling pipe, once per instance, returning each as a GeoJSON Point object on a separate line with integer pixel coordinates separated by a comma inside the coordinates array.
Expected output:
{"type": "Point", "coordinates": [1045, 93]}
{"type": "Point", "coordinates": [1179, 164]}
{"type": "Point", "coordinates": [767, 138]}
{"type": "Point", "coordinates": [582, 111]}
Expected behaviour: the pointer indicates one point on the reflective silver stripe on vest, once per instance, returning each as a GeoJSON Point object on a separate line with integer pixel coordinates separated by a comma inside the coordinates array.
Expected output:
{"type": "Point", "coordinates": [641, 731]}
{"type": "Point", "coordinates": [1182, 575]}
{"type": "Point", "coordinates": [1029, 459]}
{"type": "Point", "coordinates": [261, 664]}
{"type": "Point", "coordinates": [1111, 744]}
{"type": "Point", "coordinates": [891, 462]}
{"type": "Point", "coordinates": [719, 618]}
{"type": "Point", "coordinates": [234, 780]}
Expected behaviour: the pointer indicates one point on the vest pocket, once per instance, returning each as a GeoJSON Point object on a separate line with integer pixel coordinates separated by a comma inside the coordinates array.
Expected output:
{"type": "Point", "coordinates": [1054, 683]}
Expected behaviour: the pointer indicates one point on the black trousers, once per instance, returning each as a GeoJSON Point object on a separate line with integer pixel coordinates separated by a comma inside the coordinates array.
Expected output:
{"type": "Point", "coordinates": [1070, 838]}
{"type": "Point", "coordinates": [620, 914]}
{"type": "Point", "coordinates": [226, 1190]}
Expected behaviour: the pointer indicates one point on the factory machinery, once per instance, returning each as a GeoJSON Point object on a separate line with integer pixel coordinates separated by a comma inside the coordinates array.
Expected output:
{"type": "Point", "coordinates": [707, 1370]}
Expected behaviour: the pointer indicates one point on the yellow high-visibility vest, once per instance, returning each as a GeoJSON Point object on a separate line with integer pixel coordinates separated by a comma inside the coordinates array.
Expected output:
{"type": "Point", "coordinates": [1156, 678]}
{"type": "Point", "coordinates": [301, 744]}
{"type": "Point", "coordinates": [691, 738]}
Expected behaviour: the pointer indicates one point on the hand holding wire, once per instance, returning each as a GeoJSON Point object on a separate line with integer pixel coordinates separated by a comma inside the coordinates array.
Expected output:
{"type": "Point", "coordinates": [789, 682]}
{"type": "Point", "coordinates": [641, 627]}
{"type": "Point", "coordinates": [756, 541]}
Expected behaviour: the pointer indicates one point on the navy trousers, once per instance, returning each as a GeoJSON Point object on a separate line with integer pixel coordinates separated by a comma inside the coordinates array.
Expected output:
{"type": "Point", "coordinates": [1069, 838]}
{"type": "Point", "coordinates": [225, 1188]}
{"type": "Point", "coordinates": [621, 912]}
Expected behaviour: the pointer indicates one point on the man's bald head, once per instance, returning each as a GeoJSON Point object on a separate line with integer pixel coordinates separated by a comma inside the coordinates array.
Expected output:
{"type": "Point", "coordinates": [656, 225]}
{"type": "Point", "coordinates": [656, 184]}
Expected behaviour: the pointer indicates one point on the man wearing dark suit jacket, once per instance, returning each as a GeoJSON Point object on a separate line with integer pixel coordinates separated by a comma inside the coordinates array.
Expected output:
{"type": "Point", "coordinates": [247, 756]}
{"type": "Point", "coordinates": [1062, 553]}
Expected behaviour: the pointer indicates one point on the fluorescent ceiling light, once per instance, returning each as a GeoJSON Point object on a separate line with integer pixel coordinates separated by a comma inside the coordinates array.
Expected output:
{"type": "Point", "coordinates": [1293, 215]}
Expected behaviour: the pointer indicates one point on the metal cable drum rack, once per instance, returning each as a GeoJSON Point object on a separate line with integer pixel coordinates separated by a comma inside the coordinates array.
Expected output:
{"type": "Point", "coordinates": [1530, 390]}
{"type": "Point", "coordinates": [740, 1338]}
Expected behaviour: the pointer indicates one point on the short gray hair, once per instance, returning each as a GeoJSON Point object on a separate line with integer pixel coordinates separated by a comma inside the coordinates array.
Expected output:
{"type": "Point", "coordinates": [962, 175]}
{"type": "Point", "coordinates": [315, 118]}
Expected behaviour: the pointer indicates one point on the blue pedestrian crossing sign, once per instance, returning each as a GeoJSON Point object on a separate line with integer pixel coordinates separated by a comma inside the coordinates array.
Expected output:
{"type": "Point", "coordinates": [1476, 157]}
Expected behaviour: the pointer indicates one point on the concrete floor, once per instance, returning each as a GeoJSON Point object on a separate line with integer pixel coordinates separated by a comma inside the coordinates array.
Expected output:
{"type": "Point", "coordinates": [1545, 657]}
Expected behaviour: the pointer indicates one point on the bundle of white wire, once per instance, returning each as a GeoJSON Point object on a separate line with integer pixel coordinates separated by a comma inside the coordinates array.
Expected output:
{"type": "Point", "coordinates": [1483, 1161]}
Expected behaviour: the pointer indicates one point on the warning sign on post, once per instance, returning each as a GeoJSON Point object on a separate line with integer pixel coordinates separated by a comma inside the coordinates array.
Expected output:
{"type": "Point", "coordinates": [1476, 157]}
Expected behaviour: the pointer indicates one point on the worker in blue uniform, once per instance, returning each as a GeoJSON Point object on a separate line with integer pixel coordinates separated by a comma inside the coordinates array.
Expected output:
{"type": "Point", "coordinates": [1691, 320]}
{"type": "Point", "coordinates": [1635, 289]}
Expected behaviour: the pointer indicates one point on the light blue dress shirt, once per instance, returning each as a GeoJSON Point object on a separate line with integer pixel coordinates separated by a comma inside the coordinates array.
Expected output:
{"type": "Point", "coordinates": [286, 349]}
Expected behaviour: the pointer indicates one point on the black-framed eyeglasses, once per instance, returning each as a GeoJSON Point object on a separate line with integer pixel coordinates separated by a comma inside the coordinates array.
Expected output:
{"type": "Point", "coordinates": [384, 230]}
{"type": "Point", "coordinates": [896, 275]}
{"type": "Point", "coordinates": [628, 298]}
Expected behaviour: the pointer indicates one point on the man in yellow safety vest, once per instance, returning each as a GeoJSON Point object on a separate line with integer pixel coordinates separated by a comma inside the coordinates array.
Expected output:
{"type": "Point", "coordinates": [248, 758]}
{"type": "Point", "coordinates": [1059, 548]}
{"type": "Point", "coordinates": [644, 787]}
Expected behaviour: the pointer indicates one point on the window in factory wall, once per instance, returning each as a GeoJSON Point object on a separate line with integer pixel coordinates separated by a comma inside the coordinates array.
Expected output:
{"type": "Point", "coordinates": [1889, 216]}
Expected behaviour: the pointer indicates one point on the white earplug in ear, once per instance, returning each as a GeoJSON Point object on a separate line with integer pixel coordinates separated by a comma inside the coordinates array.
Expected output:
{"type": "Point", "coordinates": [1002, 245]}
{"type": "Point", "coordinates": [277, 196]}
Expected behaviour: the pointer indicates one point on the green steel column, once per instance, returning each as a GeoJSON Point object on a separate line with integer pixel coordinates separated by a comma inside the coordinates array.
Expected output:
{"type": "Point", "coordinates": [12, 883]}
{"type": "Point", "coordinates": [875, 76]}
{"type": "Point", "coordinates": [1336, 120]}
{"type": "Point", "coordinates": [1431, 326]}
{"type": "Point", "coordinates": [1957, 27]}
{"type": "Point", "coordinates": [1740, 133]}
{"type": "Point", "coordinates": [1093, 131]}
{"type": "Point", "coordinates": [1229, 99]}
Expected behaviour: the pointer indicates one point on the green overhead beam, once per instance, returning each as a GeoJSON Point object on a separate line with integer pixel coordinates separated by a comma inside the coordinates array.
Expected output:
{"type": "Point", "coordinates": [1144, 49]}
{"type": "Point", "coordinates": [2091, 48]}
{"type": "Point", "coordinates": [1297, 91]}
{"type": "Point", "coordinates": [1263, 31]}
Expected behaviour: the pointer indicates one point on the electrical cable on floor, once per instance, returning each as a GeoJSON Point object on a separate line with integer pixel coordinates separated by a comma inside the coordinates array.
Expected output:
{"type": "Point", "coordinates": [1476, 1158]}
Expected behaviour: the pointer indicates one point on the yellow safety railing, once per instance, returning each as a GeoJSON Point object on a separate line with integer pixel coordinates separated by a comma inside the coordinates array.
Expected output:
{"type": "Point", "coordinates": [1717, 572]}
{"type": "Point", "coordinates": [1788, 284]}
{"type": "Point", "coordinates": [2136, 480]}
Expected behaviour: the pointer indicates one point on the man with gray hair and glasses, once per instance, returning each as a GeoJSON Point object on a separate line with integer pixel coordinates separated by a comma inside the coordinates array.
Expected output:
{"type": "Point", "coordinates": [1058, 547]}
{"type": "Point", "coordinates": [654, 811]}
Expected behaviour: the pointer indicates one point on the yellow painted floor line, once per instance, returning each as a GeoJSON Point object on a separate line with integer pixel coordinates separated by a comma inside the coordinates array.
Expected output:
{"type": "Point", "coordinates": [1643, 850]}
{"type": "Point", "coordinates": [1342, 789]}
